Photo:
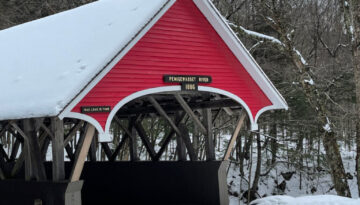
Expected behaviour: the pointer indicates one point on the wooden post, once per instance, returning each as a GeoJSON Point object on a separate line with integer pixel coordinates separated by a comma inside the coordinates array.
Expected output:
{"type": "Point", "coordinates": [33, 158]}
{"type": "Point", "coordinates": [235, 135]}
{"type": "Point", "coordinates": [133, 144]}
{"type": "Point", "coordinates": [58, 166]}
{"type": "Point", "coordinates": [181, 147]}
{"type": "Point", "coordinates": [209, 138]}
{"type": "Point", "coordinates": [81, 153]}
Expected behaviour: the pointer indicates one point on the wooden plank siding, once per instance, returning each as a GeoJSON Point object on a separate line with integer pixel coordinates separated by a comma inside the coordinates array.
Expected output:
{"type": "Point", "coordinates": [181, 42]}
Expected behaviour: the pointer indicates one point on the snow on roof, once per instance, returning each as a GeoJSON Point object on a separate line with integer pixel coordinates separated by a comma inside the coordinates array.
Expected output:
{"type": "Point", "coordinates": [46, 62]}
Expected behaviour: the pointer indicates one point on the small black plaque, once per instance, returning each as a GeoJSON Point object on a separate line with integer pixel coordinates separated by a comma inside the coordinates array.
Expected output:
{"type": "Point", "coordinates": [188, 82]}
{"type": "Point", "coordinates": [187, 79]}
{"type": "Point", "coordinates": [95, 109]}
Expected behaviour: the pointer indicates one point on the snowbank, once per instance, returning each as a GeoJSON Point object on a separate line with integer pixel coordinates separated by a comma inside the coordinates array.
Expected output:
{"type": "Point", "coordinates": [306, 200]}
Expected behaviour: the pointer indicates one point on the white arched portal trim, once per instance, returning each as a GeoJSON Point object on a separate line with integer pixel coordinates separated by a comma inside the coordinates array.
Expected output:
{"type": "Point", "coordinates": [138, 94]}
{"type": "Point", "coordinates": [103, 137]}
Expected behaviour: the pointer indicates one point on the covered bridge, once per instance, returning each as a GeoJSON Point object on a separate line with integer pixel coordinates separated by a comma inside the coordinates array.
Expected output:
{"type": "Point", "coordinates": [74, 74]}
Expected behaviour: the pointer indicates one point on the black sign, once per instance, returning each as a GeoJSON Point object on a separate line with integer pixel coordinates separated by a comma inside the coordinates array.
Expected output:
{"type": "Point", "coordinates": [188, 82]}
{"type": "Point", "coordinates": [187, 79]}
{"type": "Point", "coordinates": [95, 109]}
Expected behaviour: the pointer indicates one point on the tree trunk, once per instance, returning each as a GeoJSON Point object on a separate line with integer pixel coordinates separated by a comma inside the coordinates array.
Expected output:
{"type": "Point", "coordinates": [335, 164]}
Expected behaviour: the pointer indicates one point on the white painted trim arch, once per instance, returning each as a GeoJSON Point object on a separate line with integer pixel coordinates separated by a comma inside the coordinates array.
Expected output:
{"type": "Point", "coordinates": [138, 94]}
{"type": "Point", "coordinates": [103, 137]}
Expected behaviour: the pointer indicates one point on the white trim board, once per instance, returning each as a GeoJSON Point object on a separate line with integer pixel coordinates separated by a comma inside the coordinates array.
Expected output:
{"type": "Point", "coordinates": [138, 94]}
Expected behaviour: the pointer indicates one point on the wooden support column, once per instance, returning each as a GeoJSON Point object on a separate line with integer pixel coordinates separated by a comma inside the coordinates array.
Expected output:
{"type": "Point", "coordinates": [180, 144]}
{"type": "Point", "coordinates": [133, 142]}
{"type": "Point", "coordinates": [81, 153]}
{"type": "Point", "coordinates": [209, 138]}
{"type": "Point", "coordinates": [235, 135]}
{"type": "Point", "coordinates": [187, 141]}
{"type": "Point", "coordinates": [58, 165]}
{"type": "Point", "coordinates": [33, 159]}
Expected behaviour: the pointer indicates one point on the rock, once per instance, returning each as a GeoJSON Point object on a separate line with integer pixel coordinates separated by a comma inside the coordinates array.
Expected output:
{"type": "Point", "coordinates": [287, 175]}
{"type": "Point", "coordinates": [281, 186]}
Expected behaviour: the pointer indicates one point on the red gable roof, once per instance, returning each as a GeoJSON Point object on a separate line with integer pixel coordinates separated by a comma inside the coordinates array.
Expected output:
{"type": "Point", "coordinates": [184, 42]}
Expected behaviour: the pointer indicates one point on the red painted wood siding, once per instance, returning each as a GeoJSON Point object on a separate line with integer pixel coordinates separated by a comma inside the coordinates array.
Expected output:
{"type": "Point", "coordinates": [181, 42]}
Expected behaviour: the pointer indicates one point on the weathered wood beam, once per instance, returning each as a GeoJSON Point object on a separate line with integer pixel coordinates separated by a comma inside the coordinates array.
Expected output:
{"type": "Point", "coordinates": [4, 129]}
{"type": "Point", "coordinates": [145, 139]}
{"type": "Point", "coordinates": [72, 132]}
{"type": "Point", "coordinates": [209, 138]}
{"type": "Point", "coordinates": [3, 154]}
{"type": "Point", "coordinates": [174, 107]}
{"type": "Point", "coordinates": [57, 138]}
{"type": "Point", "coordinates": [169, 136]}
{"type": "Point", "coordinates": [15, 149]}
{"type": "Point", "coordinates": [106, 149]}
{"type": "Point", "coordinates": [180, 144]}
{"type": "Point", "coordinates": [235, 135]}
{"type": "Point", "coordinates": [118, 122]}
{"type": "Point", "coordinates": [69, 152]}
{"type": "Point", "coordinates": [118, 148]}
{"type": "Point", "coordinates": [189, 111]}
{"type": "Point", "coordinates": [81, 153]}
{"type": "Point", "coordinates": [162, 112]}
{"type": "Point", "coordinates": [133, 141]}
{"type": "Point", "coordinates": [33, 148]}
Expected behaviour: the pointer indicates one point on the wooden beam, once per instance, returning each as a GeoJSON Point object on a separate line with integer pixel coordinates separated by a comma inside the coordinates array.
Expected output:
{"type": "Point", "coordinates": [69, 152]}
{"type": "Point", "coordinates": [189, 111]}
{"type": "Point", "coordinates": [58, 165]}
{"type": "Point", "coordinates": [118, 122]}
{"type": "Point", "coordinates": [72, 132]}
{"type": "Point", "coordinates": [3, 153]}
{"type": "Point", "coordinates": [118, 148]}
{"type": "Point", "coordinates": [162, 112]}
{"type": "Point", "coordinates": [180, 144]}
{"type": "Point", "coordinates": [133, 141]}
{"type": "Point", "coordinates": [106, 149]}
{"type": "Point", "coordinates": [174, 107]}
{"type": "Point", "coordinates": [235, 135]}
{"type": "Point", "coordinates": [209, 138]}
{"type": "Point", "coordinates": [15, 150]}
{"type": "Point", "coordinates": [145, 139]}
{"type": "Point", "coordinates": [4, 129]}
{"type": "Point", "coordinates": [169, 136]}
{"type": "Point", "coordinates": [33, 150]}
{"type": "Point", "coordinates": [81, 153]}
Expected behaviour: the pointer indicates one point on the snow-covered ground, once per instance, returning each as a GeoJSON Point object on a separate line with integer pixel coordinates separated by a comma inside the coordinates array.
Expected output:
{"type": "Point", "coordinates": [306, 200]}
{"type": "Point", "coordinates": [308, 185]}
